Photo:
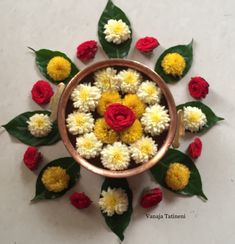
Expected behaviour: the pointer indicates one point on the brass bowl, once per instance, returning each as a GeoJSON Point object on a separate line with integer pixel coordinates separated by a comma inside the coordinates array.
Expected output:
{"type": "Point", "coordinates": [65, 106]}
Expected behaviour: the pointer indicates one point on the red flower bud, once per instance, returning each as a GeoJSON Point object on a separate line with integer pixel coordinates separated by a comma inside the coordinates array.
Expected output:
{"type": "Point", "coordinates": [80, 200]}
{"type": "Point", "coordinates": [195, 148]}
{"type": "Point", "coordinates": [87, 50]}
{"type": "Point", "coordinates": [151, 198]}
{"type": "Point", "coordinates": [198, 87]}
{"type": "Point", "coordinates": [32, 158]}
{"type": "Point", "coordinates": [146, 44]}
{"type": "Point", "coordinates": [42, 92]}
{"type": "Point", "coordinates": [119, 117]}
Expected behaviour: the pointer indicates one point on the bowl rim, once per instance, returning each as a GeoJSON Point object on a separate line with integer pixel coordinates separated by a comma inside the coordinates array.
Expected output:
{"type": "Point", "coordinates": [129, 64]}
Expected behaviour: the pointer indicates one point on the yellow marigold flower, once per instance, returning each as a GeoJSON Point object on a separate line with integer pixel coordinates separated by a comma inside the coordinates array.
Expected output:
{"type": "Point", "coordinates": [173, 64]}
{"type": "Point", "coordinates": [58, 68]}
{"type": "Point", "coordinates": [133, 133]}
{"type": "Point", "coordinates": [133, 102]}
{"type": "Point", "coordinates": [177, 176]}
{"type": "Point", "coordinates": [104, 133]}
{"type": "Point", "coordinates": [55, 179]}
{"type": "Point", "coordinates": [106, 99]}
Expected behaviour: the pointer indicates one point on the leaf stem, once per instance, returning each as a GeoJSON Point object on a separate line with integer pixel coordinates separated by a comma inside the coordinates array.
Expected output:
{"type": "Point", "coordinates": [31, 49]}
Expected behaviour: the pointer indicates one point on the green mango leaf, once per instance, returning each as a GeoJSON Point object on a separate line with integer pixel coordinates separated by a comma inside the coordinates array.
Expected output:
{"type": "Point", "coordinates": [118, 223]}
{"type": "Point", "coordinates": [186, 51]}
{"type": "Point", "coordinates": [18, 128]}
{"type": "Point", "coordinates": [43, 56]}
{"type": "Point", "coordinates": [194, 186]}
{"type": "Point", "coordinates": [72, 169]}
{"type": "Point", "coordinates": [211, 117]}
{"type": "Point", "coordinates": [113, 50]}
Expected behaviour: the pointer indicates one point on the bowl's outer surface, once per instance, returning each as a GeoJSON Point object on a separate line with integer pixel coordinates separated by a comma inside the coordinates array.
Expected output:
{"type": "Point", "coordinates": [64, 108]}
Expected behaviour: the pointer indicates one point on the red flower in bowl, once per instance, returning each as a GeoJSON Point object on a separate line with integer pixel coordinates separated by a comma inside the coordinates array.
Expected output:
{"type": "Point", "coordinates": [119, 117]}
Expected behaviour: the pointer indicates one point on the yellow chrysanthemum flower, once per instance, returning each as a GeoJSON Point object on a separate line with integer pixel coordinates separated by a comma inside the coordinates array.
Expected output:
{"type": "Point", "coordinates": [194, 119]}
{"type": "Point", "coordinates": [133, 102]}
{"type": "Point", "coordinates": [106, 80]}
{"type": "Point", "coordinates": [88, 146]}
{"type": "Point", "coordinates": [58, 68]}
{"type": "Point", "coordinates": [55, 179]}
{"type": "Point", "coordinates": [115, 156]}
{"type": "Point", "coordinates": [39, 125]}
{"type": "Point", "coordinates": [106, 99]}
{"type": "Point", "coordinates": [177, 176]}
{"type": "Point", "coordinates": [104, 133]}
{"type": "Point", "coordinates": [129, 80]}
{"type": "Point", "coordinates": [133, 133]}
{"type": "Point", "coordinates": [173, 64]}
{"type": "Point", "coordinates": [79, 123]}
{"type": "Point", "coordinates": [85, 97]}
{"type": "Point", "coordinates": [116, 31]}
{"type": "Point", "coordinates": [149, 92]}
{"type": "Point", "coordinates": [143, 149]}
{"type": "Point", "coordinates": [113, 201]}
{"type": "Point", "coordinates": [155, 119]}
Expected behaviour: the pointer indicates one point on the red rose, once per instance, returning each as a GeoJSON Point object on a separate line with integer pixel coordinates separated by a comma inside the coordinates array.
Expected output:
{"type": "Point", "coordinates": [146, 44]}
{"type": "Point", "coordinates": [87, 50]}
{"type": "Point", "coordinates": [119, 117]}
{"type": "Point", "coordinates": [195, 148]}
{"type": "Point", "coordinates": [32, 157]}
{"type": "Point", "coordinates": [151, 198]}
{"type": "Point", "coordinates": [80, 200]}
{"type": "Point", "coordinates": [198, 87]}
{"type": "Point", "coordinates": [42, 92]}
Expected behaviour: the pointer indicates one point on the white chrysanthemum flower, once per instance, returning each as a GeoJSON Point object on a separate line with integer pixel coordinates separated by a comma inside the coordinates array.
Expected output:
{"type": "Point", "coordinates": [106, 79]}
{"type": "Point", "coordinates": [115, 156]}
{"type": "Point", "coordinates": [113, 201]}
{"type": "Point", "coordinates": [116, 31]}
{"type": "Point", "coordinates": [149, 93]}
{"type": "Point", "coordinates": [80, 123]}
{"type": "Point", "coordinates": [85, 97]}
{"type": "Point", "coordinates": [88, 146]}
{"type": "Point", "coordinates": [39, 125]}
{"type": "Point", "coordinates": [155, 119]}
{"type": "Point", "coordinates": [129, 80]}
{"type": "Point", "coordinates": [143, 149]}
{"type": "Point", "coordinates": [194, 118]}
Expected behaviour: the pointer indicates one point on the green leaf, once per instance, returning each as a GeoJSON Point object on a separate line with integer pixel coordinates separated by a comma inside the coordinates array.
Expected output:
{"type": "Point", "coordinates": [113, 50]}
{"type": "Point", "coordinates": [72, 169]}
{"type": "Point", "coordinates": [194, 186]}
{"type": "Point", "coordinates": [211, 117]}
{"type": "Point", "coordinates": [18, 128]}
{"type": "Point", "coordinates": [186, 51]}
{"type": "Point", "coordinates": [43, 56]}
{"type": "Point", "coordinates": [118, 223]}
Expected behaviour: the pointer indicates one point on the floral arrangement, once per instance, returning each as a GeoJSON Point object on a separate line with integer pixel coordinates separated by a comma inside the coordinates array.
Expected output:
{"type": "Point", "coordinates": [116, 117]}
